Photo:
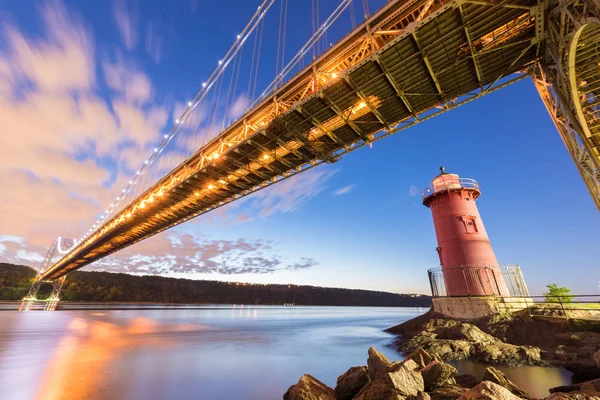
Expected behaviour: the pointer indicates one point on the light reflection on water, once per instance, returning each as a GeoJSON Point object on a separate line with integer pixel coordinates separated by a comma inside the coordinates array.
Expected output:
{"type": "Point", "coordinates": [534, 380]}
{"type": "Point", "coordinates": [222, 353]}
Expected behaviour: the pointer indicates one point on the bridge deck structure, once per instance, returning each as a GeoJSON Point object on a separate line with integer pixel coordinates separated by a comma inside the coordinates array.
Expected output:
{"type": "Point", "coordinates": [409, 62]}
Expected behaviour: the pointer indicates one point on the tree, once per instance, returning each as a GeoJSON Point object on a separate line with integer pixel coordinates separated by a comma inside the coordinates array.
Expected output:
{"type": "Point", "coordinates": [556, 294]}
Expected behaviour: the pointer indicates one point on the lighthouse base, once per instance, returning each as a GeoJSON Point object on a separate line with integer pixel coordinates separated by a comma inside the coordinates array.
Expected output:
{"type": "Point", "coordinates": [477, 307]}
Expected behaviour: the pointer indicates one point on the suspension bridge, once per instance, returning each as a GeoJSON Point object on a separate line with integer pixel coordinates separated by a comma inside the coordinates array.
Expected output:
{"type": "Point", "coordinates": [407, 62]}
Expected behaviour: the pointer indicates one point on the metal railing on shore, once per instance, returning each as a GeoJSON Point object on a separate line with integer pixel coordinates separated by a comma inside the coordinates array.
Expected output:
{"type": "Point", "coordinates": [571, 306]}
{"type": "Point", "coordinates": [492, 279]}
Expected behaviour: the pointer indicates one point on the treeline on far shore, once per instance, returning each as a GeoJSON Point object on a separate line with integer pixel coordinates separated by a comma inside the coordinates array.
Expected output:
{"type": "Point", "coordinates": [15, 280]}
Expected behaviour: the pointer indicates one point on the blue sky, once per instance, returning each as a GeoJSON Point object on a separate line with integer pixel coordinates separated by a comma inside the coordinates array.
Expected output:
{"type": "Point", "coordinates": [126, 67]}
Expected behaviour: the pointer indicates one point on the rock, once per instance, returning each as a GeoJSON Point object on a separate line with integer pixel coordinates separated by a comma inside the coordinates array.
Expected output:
{"type": "Point", "coordinates": [466, 381]}
{"type": "Point", "coordinates": [437, 374]}
{"type": "Point", "coordinates": [378, 390]}
{"type": "Point", "coordinates": [419, 396]}
{"type": "Point", "coordinates": [377, 364]}
{"type": "Point", "coordinates": [574, 396]}
{"type": "Point", "coordinates": [350, 382]}
{"type": "Point", "coordinates": [591, 386]}
{"type": "Point", "coordinates": [464, 331]}
{"type": "Point", "coordinates": [422, 357]}
{"type": "Point", "coordinates": [588, 386]}
{"type": "Point", "coordinates": [507, 354]}
{"type": "Point", "coordinates": [596, 358]}
{"type": "Point", "coordinates": [579, 360]}
{"type": "Point", "coordinates": [449, 392]}
{"type": "Point", "coordinates": [309, 388]}
{"type": "Point", "coordinates": [493, 375]}
{"type": "Point", "coordinates": [406, 378]}
{"type": "Point", "coordinates": [488, 391]}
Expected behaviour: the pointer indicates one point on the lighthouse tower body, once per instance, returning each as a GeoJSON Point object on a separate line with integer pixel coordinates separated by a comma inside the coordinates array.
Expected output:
{"type": "Point", "coordinates": [468, 261]}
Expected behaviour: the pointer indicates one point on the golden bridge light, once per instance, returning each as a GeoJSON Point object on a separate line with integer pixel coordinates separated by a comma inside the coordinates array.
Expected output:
{"type": "Point", "coordinates": [197, 194]}
{"type": "Point", "coordinates": [211, 186]}
{"type": "Point", "coordinates": [266, 157]}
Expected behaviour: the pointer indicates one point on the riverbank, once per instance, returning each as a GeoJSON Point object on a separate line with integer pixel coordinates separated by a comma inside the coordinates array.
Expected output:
{"type": "Point", "coordinates": [506, 339]}
{"type": "Point", "coordinates": [91, 286]}
{"type": "Point", "coordinates": [424, 376]}
{"type": "Point", "coordinates": [430, 340]}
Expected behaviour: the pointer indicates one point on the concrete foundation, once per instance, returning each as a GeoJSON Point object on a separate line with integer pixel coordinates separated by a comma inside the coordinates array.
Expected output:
{"type": "Point", "coordinates": [481, 306]}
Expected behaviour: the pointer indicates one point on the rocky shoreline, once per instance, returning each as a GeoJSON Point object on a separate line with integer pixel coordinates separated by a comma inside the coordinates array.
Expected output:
{"type": "Point", "coordinates": [430, 339]}
{"type": "Point", "coordinates": [512, 340]}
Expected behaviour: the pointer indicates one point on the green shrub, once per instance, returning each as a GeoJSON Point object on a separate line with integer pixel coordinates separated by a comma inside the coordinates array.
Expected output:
{"type": "Point", "coordinates": [556, 294]}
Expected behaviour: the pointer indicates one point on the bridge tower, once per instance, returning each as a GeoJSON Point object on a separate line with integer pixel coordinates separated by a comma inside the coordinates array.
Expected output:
{"type": "Point", "coordinates": [59, 245]}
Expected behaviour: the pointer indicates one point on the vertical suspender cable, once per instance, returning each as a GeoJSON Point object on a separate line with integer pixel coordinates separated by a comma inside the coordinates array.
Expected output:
{"type": "Point", "coordinates": [284, 33]}
{"type": "Point", "coordinates": [304, 50]}
{"type": "Point", "coordinates": [279, 36]}
{"type": "Point", "coordinates": [259, 33]}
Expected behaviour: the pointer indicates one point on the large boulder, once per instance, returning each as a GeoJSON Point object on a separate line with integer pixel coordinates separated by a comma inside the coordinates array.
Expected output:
{"type": "Point", "coordinates": [422, 357]}
{"type": "Point", "coordinates": [406, 378]}
{"type": "Point", "coordinates": [466, 380]}
{"type": "Point", "coordinates": [591, 386]}
{"type": "Point", "coordinates": [449, 392]}
{"type": "Point", "coordinates": [437, 374]}
{"type": "Point", "coordinates": [350, 383]}
{"type": "Point", "coordinates": [588, 386]}
{"type": "Point", "coordinates": [378, 390]}
{"type": "Point", "coordinates": [377, 364]}
{"type": "Point", "coordinates": [493, 375]}
{"type": "Point", "coordinates": [579, 353]}
{"type": "Point", "coordinates": [464, 331]}
{"type": "Point", "coordinates": [488, 391]}
{"type": "Point", "coordinates": [309, 388]}
{"type": "Point", "coordinates": [507, 354]}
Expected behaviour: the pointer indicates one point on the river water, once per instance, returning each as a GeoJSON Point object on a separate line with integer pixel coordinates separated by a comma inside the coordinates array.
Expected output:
{"type": "Point", "coordinates": [220, 352]}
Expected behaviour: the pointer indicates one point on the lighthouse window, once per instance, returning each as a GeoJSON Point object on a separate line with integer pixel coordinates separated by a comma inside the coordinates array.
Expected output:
{"type": "Point", "coordinates": [470, 225]}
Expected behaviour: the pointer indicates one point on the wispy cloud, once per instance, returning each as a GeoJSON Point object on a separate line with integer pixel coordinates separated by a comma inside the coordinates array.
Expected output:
{"type": "Point", "coordinates": [343, 190]}
{"type": "Point", "coordinates": [185, 253]}
{"type": "Point", "coordinates": [413, 190]}
{"type": "Point", "coordinates": [55, 127]}
{"type": "Point", "coordinates": [67, 151]}
{"type": "Point", "coordinates": [127, 23]}
{"type": "Point", "coordinates": [154, 43]}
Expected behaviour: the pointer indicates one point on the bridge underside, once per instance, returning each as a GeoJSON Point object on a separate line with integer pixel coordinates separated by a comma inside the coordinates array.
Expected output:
{"type": "Point", "coordinates": [409, 62]}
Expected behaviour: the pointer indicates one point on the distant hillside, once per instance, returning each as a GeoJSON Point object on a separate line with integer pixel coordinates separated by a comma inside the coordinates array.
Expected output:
{"type": "Point", "coordinates": [103, 286]}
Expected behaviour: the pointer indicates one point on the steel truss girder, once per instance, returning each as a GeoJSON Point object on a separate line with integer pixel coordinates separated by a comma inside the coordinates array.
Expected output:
{"type": "Point", "coordinates": [562, 92]}
{"type": "Point", "coordinates": [216, 156]}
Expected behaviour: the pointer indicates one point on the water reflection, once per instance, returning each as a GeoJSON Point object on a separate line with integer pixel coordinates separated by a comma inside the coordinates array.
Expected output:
{"type": "Point", "coordinates": [534, 380]}
{"type": "Point", "coordinates": [219, 353]}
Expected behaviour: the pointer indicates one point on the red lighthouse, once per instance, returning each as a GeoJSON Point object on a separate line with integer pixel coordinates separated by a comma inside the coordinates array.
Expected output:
{"type": "Point", "coordinates": [468, 262]}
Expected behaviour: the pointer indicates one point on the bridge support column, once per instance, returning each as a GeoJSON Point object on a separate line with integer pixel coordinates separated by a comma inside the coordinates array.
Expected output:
{"type": "Point", "coordinates": [30, 301]}
{"type": "Point", "coordinates": [569, 83]}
